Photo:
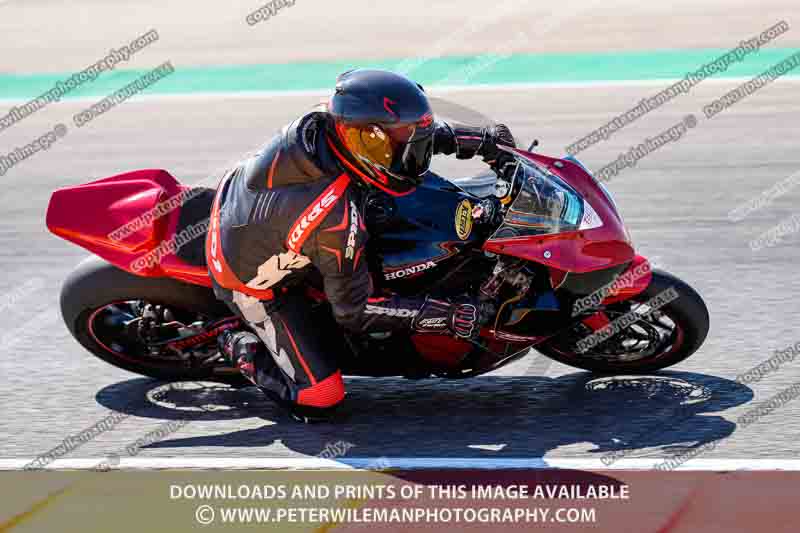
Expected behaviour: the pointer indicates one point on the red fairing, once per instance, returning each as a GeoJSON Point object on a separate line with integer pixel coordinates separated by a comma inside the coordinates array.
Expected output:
{"type": "Point", "coordinates": [443, 350]}
{"type": "Point", "coordinates": [574, 251]}
{"type": "Point", "coordinates": [90, 214]}
{"type": "Point", "coordinates": [634, 280]}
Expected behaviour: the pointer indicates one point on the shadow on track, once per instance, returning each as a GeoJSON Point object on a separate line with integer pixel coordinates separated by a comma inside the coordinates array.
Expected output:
{"type": "Point", "coordinates": [515, 416]}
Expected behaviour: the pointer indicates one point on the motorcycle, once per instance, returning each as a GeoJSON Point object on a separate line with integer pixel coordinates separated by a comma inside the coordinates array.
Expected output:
{"type": "Point", "coordinates": [546, 250]}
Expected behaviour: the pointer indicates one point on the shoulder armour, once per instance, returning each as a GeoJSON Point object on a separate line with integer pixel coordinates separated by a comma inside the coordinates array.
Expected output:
{"type": "Point", "coordinates": [289, 158]}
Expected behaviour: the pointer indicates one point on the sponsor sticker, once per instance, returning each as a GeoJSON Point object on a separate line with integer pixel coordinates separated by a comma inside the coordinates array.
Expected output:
{"type": "Point", "coordinates": [590, 218]}
{"type": "Point", "coordinates": [464, 219]}
{"type": "Point", "coordinates": [409, 271]}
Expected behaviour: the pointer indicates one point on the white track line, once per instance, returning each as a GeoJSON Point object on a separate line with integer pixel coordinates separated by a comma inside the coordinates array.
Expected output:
{"type": "Point", "coordinates": [433, 90]}
{"type": "Point", "coordinates": [405, 463]}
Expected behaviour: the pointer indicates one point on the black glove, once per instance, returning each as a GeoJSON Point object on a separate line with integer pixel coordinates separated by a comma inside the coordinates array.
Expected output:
{"type": "Point", "coordinates": [502, 135]}
{"type": "Point", "coordinates": [468, 141]}
{"type": "Point", "coordinates": [458, 318]}
{"type": "Point", "coordinates": [502, 162]}
{"type": "Point", "coordinates": [498, 134]}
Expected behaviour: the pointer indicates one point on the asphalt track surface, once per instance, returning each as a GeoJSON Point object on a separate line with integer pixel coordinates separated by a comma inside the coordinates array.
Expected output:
{"type": "Point", "coordinates": [675, 202]}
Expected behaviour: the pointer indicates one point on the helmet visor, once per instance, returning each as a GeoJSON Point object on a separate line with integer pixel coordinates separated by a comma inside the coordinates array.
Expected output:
{"type": "Point", "coordinates": [403, 151]}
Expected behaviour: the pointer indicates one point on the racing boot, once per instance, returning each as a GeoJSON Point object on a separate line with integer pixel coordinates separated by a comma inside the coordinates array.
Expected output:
{"type": "Point", "coordinates": [241, 349]}
{"type": "Point", "coordinates": [245, 351]}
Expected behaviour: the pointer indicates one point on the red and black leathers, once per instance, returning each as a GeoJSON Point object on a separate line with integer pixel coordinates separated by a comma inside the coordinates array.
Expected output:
{"type": "Point", "coordinates": [293, 213]}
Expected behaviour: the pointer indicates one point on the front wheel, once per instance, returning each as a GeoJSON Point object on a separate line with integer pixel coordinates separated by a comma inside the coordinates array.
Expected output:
{"type": "Point", "coordinates": [639, 337]}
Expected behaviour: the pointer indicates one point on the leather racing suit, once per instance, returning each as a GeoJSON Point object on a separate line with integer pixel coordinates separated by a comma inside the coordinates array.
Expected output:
{"type": "Point", "coordinates": [293, 213]}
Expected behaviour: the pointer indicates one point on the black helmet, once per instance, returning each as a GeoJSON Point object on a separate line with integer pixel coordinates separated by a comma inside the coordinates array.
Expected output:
{"type": "Point", "coordinates": [382, 129]}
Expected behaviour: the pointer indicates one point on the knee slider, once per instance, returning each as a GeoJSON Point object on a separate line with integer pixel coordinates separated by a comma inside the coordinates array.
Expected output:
{"type": "Point", "coordinates": [325, 393]}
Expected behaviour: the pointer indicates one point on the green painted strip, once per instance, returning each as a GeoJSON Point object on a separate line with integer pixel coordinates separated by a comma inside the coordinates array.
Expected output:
{"type": "Point", "coordinates": [453, 70]}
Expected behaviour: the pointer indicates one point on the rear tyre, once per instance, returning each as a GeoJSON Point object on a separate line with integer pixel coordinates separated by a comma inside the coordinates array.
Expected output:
{"type": "Point", "coordinates": [687, 316]}
{"type": "Point", "coordinates": [96, 294]}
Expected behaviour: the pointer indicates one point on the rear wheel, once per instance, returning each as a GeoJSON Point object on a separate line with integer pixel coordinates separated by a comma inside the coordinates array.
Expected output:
{"type": "Point", "coordinates": [646, 337]}
{"type": "Point", "coordinates": [157, 327]}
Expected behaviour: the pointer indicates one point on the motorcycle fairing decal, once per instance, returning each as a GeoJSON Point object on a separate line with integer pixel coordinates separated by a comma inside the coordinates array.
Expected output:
{"type": "Point", "coordinates": [316, 213]}
{"type": "Point", "coordinates": [463, 220]}
{"type": "Point", "coordinates": [409, 271]}
{"type": "Point", "coordinates": [590, 218]}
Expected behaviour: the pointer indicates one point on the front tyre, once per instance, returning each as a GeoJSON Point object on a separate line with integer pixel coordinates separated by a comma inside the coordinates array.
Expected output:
{"type": "Point", "coordinates": [651, 338]}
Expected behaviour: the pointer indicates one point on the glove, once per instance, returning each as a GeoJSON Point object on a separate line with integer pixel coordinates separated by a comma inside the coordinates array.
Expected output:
{"type": "Point", "coordinates": [501, 162]}
{"type": "Point", "coordinates": [467, 141]}
{"type": "Point", "coordinates": [504, 166]}
{"type": "Point", "coordinates": [502, 135]}
{"type": "Point", "coordinates": [499, 134]}
{"type": "Point", "coordinates": [459, 318]}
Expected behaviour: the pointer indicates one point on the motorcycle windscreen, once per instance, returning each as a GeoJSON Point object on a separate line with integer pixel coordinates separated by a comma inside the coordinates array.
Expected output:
{"type": "Point", "coordinates": [545, 205]}
{"type": "Point", "coordinates": [551, 223]}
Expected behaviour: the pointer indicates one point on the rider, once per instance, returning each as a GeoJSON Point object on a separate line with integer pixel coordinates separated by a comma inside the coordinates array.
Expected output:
{"type": "Point", "coordinates": [295, 211]}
